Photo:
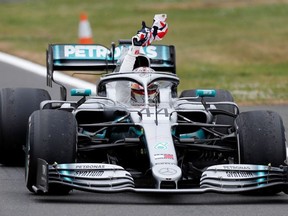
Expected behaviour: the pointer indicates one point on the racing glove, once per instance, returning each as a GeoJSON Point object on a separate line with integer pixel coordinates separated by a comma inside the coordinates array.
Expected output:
{"type": "Point", "coordinates": [139, 40]}
{"type": "Point", "coordinates": [159, 27]}
{"type": "Point", "coordinates": [142, 36]}
{"type": "Point", "coordinates": [146, 35]}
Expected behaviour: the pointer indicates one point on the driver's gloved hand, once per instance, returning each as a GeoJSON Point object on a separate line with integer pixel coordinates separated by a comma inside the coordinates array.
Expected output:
{"type": "Point", "coordinates": [146, 35]}
{"type": "Point", "coordinates": [143, 35]}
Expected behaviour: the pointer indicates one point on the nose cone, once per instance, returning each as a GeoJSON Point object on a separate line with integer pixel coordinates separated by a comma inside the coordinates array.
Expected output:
{"type": "Point", "coordinates": [166, 172]}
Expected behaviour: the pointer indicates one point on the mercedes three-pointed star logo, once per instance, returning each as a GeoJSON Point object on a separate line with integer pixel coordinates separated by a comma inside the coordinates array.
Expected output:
{"type": "Point", "coordinates": [167, 171]}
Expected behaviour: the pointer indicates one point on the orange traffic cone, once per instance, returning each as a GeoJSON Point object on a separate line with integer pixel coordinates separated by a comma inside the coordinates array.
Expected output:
{"type": "Point", "coordinates": [84, 31]}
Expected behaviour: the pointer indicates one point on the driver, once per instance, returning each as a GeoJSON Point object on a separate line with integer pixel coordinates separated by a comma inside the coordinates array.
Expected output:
{"type": "Point", "coordinates": [135, 61]}
{"type": "Point", "coordinates": [137, 91]}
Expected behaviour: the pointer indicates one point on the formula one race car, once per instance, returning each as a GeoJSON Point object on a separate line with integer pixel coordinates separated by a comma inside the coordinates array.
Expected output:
{"type": "Point", "coordinates": [195, 143]}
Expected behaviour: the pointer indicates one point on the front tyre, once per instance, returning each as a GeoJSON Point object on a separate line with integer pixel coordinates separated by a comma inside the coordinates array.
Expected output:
{"type": "Point", "coordinates": [52, 136]}
{"type": "Point", "coordinates": [16, 105]}
{"type": "Point", "coordinates": [261, 141]}
{"type": "Point", "coordinates": [261, 138]}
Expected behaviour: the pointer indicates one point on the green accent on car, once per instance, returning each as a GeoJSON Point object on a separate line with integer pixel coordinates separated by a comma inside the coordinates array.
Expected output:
{"type": "Point", "coordinates": [80, 92]}
{"type": "Point", "coordinates": [205, 92]}
{"type": "Point", "coordinates": [198, 135]}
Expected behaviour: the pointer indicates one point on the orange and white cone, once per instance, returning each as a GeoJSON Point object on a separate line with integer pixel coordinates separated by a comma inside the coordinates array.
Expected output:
{"type": "Point", "coordinates": [84, 31]}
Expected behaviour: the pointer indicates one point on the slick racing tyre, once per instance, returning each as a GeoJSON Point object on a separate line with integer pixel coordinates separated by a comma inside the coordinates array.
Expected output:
{"type": "Point", "coordinates": [52, 136]}
{"type": "Point", "coordinates": [261, 141]}
{"type": "Point", "coordinates": [261, 138]}
{"type": "Point", "coordinates": [16, 105]}
{"type": "Point", "coordinates": [221, 96]}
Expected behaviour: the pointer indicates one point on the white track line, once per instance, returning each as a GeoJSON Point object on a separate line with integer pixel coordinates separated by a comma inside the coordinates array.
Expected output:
{"type": "Point", "coordinates": [41, 71]}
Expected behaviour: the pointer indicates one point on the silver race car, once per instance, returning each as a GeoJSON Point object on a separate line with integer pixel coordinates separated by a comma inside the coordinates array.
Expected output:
{"type": "Point", "coordinates": [196, 142]}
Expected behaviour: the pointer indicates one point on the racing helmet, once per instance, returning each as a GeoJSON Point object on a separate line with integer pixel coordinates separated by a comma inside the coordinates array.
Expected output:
{"type": "Point", "coordinates": [137, 91]}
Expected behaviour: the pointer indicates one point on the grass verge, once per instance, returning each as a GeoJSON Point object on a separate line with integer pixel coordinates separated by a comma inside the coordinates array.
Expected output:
{"type": "Point", "coordinates": [235, 45]}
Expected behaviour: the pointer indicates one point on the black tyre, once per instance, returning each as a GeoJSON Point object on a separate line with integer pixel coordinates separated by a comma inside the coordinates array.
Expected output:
{"type": "Point", "coordinates": [221, 96]}
{"type": "Point", "coordinates": [16, 105]}
{"type": "Point", "coordinates": [52, 136]}
{"type": "Point", "coordinates": [261, 138]}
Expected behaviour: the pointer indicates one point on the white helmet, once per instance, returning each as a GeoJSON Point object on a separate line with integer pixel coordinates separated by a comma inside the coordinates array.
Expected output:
{"type": "Point", "coordinates": [137, 91]}
{"type": "Point", "coordinates": [144, 69]}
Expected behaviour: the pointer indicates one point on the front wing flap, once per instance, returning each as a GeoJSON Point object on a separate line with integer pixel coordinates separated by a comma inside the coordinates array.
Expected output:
{"type": "Point", "coordinates": [243, 177]}
{"type": "Point", "coordinates": [97, 177]}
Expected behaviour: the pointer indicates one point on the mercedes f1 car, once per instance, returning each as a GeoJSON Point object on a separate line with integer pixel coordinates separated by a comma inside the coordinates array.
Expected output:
{"type": "Point", "coordinates": [196, 142]}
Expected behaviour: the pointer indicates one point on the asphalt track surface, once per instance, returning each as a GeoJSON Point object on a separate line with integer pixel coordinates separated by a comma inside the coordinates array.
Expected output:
{"type": "Point", "coordinates": [16, 200]}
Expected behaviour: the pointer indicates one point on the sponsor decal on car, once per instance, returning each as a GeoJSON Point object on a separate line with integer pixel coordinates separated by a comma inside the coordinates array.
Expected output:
{"type": "Point", "coordinates": [239, 174]}
{"type": "Point", "coordinates": [168, 171]}
{"type": "Point", "coordinates": [101, 52]}
{"type": "Point", "coordinates": [86, 173]}
{"type": "Point", "coordinates": [231, 167]}
{"type": "Point", "coordinates": [161, 146]}
{"type": "Point", "coordinates": [164, 156]}
{"type": "Point", "coordinates": [92, 166]}
{"type": "Point", "coordinates": [88, 51]}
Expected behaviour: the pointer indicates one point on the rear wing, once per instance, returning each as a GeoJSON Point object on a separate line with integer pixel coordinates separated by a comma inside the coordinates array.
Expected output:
{"type": "Point", "coordinates": [98, 58]}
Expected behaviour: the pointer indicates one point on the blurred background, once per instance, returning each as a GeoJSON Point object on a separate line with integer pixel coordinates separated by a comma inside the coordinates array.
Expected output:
{"type": "Point", "coordinates": [238, 45]}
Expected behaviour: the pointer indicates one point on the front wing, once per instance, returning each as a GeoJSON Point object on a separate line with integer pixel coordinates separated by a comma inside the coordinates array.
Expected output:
{"type": "Point", "coordinates": [97, 177]}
